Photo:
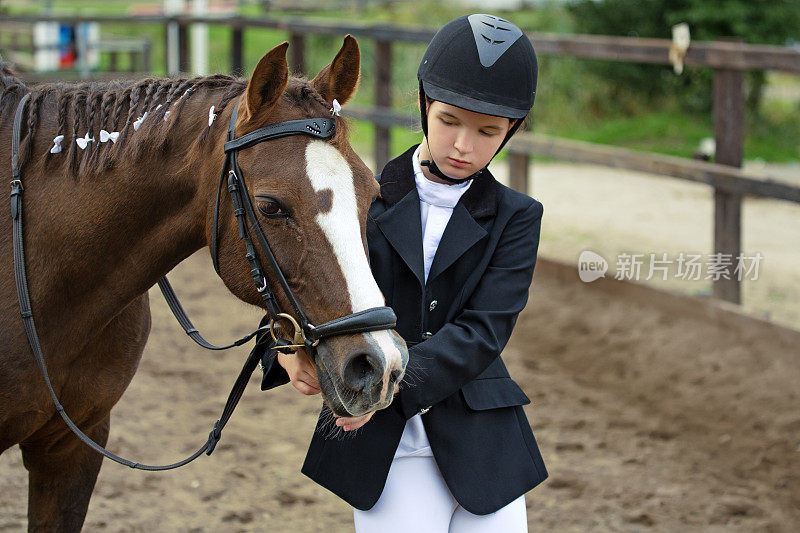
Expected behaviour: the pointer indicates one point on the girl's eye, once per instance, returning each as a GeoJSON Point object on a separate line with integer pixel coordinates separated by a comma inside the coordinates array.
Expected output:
{"type": "Point", "coordinates": [487, 133]}
{"type": "Point", "coordinates": [447, 122]}
{"type": "Point", "coordinates": [272, 209]}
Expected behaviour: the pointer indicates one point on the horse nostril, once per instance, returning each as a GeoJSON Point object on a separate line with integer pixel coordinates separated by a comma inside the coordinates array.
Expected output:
{"type": "Point", "coordinates": [394, 376]}
{"type": "Point", "coordinates": [362, 370]}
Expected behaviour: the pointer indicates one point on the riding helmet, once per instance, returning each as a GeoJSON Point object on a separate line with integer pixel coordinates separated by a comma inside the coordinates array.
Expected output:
{"type": "Point", "coordinates": [481, 63]}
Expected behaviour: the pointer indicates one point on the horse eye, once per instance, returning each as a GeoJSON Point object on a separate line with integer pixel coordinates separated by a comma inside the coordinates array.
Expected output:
{"type": "Point", "coordinates": [272, 209]}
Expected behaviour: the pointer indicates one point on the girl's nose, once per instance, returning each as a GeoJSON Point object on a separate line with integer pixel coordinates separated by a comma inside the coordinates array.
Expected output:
{"type": "Point", "coordinates": [463, 142]}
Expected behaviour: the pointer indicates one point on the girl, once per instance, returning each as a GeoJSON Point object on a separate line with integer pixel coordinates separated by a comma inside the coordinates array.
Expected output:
{"type": "Point", "coordinates": [453, 252]}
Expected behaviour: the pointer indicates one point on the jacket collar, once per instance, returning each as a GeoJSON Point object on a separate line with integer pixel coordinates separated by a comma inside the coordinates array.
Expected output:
{"type": "Point", "coordinates": [401, 224]}
{"type": "Point", "coordinates": [397, 180]}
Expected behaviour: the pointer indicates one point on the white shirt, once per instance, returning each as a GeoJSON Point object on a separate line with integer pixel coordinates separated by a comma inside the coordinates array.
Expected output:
{"type": "Point", "coordinates": [436, 203]}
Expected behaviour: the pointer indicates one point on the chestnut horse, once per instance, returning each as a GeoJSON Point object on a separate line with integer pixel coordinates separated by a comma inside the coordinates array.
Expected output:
{"type": "Point", "coordinates": [107, 215]}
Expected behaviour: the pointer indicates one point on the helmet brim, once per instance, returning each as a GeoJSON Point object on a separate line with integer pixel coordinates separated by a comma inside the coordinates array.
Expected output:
{"type": "Point", "coordinates": [470, 104]}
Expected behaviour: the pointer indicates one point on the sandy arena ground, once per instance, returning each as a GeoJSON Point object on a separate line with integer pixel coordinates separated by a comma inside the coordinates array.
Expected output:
{"type": "Point", "coordinates": [612, 211]}
{"type": "Point", "coordinates": [648, 419]}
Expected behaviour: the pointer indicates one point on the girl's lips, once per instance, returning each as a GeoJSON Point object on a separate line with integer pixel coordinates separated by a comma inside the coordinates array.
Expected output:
{"type": "Point", "coordinates": [456, 163]}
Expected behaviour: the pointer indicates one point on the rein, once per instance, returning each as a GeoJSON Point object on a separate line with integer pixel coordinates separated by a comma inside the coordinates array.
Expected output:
{"type": "Point", "coordinates": [305, 334]}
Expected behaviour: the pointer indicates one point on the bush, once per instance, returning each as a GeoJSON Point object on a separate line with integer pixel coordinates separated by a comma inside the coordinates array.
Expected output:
{"type": "Point", "coordinates": [753, 21]}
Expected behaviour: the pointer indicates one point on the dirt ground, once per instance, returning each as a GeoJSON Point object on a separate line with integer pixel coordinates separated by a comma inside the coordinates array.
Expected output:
{"type": "Point", "coordinates": [613, 211]}
{"type": "Point", "coordinates": [647, 418]}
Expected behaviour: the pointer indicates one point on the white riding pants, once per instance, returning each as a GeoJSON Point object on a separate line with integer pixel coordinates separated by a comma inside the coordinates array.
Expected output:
{"type": "Point", "coordinates": [417, 500]}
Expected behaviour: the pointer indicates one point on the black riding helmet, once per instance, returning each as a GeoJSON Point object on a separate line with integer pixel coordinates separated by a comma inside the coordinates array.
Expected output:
{"type": "Point", "coordinates": [480, 63]}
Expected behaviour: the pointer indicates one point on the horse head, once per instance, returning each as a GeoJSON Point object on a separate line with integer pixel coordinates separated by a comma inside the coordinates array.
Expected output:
{"type": "Point", "coordinates": [312, 196]}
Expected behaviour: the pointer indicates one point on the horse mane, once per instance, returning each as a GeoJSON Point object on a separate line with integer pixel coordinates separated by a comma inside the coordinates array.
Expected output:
{"type": "Point", "coordinates": [115, 106]}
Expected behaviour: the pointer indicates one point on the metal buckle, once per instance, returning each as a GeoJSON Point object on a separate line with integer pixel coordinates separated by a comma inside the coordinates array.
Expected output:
{"type": "Point", "coordinates": [263, 288]}
{"type": "Point", "coordinates": [299, 337]}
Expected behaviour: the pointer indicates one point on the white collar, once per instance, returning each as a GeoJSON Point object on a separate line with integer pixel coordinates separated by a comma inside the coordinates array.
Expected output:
{"type": "Point", "coordinates": [433, 193]}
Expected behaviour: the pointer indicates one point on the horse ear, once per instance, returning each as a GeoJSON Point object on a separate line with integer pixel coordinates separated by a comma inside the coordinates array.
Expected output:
{"type": "Point", "coordinates": [339, 79]}
{"type": "Point", "coordinates": [267, 83]}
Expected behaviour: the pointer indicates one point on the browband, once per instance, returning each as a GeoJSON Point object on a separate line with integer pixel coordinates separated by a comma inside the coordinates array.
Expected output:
{"type": "Point", "coordinates": [322, 128]}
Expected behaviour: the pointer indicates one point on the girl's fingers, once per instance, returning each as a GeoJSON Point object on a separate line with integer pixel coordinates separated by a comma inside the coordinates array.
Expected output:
{"type": "Point", "coordinates": [311, 379]}
{"type": "Point", "coordinates": [306, 388]}
{"type": "Point", "coordinates": [313, 385]}
{"type": "Point", "coordinates": [302, 387]}
{"type": "Point", "coordinates": [351, 423]}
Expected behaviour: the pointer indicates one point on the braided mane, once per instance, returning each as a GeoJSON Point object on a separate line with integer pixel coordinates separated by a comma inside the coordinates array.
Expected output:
{"type": "Point", "coordinates": [89, 107]}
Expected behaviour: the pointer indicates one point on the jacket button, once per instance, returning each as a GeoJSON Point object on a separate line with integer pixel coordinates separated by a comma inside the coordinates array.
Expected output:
{"type": "Point", "coordinates": [433, 305]}
{"type": "Point", "coordinates": [427, 335]}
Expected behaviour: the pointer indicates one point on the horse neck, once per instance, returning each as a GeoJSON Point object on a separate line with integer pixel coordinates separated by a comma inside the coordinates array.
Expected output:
{"type": "Point", "coordinates": [103, 241]}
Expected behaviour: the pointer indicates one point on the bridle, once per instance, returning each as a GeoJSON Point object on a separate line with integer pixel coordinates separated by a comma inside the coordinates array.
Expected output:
{"type": "Point", "coordinates": [304, 335]}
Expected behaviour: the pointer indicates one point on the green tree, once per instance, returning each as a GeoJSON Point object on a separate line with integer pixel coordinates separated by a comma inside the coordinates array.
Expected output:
{"type": "Point", "coordinates": [753, 21]}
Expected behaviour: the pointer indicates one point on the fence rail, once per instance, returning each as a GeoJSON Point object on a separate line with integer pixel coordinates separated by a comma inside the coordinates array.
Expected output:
{"type": "Point", "coordinates": [718, 54]}
{"type": "Point", "coordinates": [729, 59]}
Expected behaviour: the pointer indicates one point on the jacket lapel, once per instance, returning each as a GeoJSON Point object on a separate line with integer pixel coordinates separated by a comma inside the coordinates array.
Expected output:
{"type": "Point", "coordinates": [402, 226]}
{"type": "Point", "coordinates": [460, 234]}
{"type": "Point", "coordinates": [401, 223]}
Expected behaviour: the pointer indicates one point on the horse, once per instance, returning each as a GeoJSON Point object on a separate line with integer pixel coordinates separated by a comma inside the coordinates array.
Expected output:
{"type": "Point", "coordinates": [121, 184]}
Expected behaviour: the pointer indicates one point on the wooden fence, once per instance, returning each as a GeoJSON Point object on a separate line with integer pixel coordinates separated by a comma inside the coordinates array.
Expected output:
{"type": "Point", "coordinates": [729, 59]}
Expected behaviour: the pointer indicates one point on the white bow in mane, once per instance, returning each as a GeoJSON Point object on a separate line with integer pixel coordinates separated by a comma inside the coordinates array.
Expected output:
{"type": "Point", "coordinates": [56, 148]}
{"type": "Point", "coordinates": [106, 136]}
{"type": "Point", "coordinates": [138, 121]}
{"type": "Point", "coordinates": [83, 142]}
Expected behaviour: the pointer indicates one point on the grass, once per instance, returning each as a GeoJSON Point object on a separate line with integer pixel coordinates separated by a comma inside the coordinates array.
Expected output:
{"type": "Point", "coordinates": [666, 132]}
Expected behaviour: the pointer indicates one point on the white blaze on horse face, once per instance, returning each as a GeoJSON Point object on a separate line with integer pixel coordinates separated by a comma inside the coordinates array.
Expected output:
{"type": "Point", "coordinates": [328, 169]}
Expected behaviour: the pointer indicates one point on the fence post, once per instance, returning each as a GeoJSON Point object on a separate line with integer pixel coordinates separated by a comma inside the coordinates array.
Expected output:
{"type": "Point", "coordinates": [237, 45]}
{"type": "Point", "coordinates": [297, 50]}
{"type": "Point", "coordinates": [170, 48]}
{"type": "Point", "coordinates": [147, 57]}
{"type": "Point", "coordinates": [383, 98]}
{"type": "Point", "coordinates": [518, 175]}
{"type": "Point", "coordinates": [183, 46]}
{"type": "Point", "coordinates": [729, 137]}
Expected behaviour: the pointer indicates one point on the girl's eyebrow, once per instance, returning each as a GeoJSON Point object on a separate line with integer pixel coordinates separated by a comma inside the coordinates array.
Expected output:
{"type": "Point", "coordinates": [486, 127]}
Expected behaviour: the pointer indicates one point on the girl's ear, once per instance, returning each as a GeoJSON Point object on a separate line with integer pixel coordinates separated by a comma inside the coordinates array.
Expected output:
{"type": "Point", "coordinates": [338, 80]}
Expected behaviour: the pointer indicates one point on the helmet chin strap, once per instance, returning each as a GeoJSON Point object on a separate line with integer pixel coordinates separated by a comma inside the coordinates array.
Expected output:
{"type": "Point", "coordinates": [431, 164]}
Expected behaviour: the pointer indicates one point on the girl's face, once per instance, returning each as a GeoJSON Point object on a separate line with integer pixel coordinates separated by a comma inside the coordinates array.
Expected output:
{"type": "Point", "coordinates": [461, 142]}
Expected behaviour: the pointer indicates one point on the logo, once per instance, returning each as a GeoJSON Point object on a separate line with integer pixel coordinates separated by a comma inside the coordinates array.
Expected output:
{"type": "Point", "coordinates": [493, 36]}
{"type": "Point", "coordinates": [591, 266]}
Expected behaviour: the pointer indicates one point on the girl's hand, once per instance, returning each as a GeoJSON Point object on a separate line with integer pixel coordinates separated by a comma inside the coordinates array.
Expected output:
{"type": "Point", "coordinates": [301, 370]}
{"type": "Point", "coordinates": [351, 423]}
